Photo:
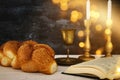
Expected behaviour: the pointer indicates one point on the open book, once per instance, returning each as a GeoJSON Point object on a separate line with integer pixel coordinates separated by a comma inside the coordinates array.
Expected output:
{"type": "Point", "coordinates": [103, 68]}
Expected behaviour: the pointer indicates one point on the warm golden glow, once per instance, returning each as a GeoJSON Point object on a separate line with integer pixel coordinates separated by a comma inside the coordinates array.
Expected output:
{"type": "Point", "coordinates": [74, 16]}
{"type": "Point", "coordinates": [99, 51]}
{"type": "Point", "coordinates": [116, 23]}
{"type": "Point", "coordinates": [109, 23]}
{"type": "Point", "coordinates": [56, 1]}
{"type": "Point", "coordinates": [94, 14]}
{"type": "Point", "coordinates": [98, 27]}
{"type": "Point", "coordinates": [93, 7]}
{"type": "Point", "coordinates": [118, 69]}
{"type": "Point", "coordinates": [109, 9]}
{"type": "Point", "coordinates": [81, 33]}
{"type": "Point", "coordinates": [82, 44]}
{"type": "Point", "coordinates": [64, 1]}
{"type": "Point", "coordinates": [107, 31]}
{"type": "Point", "coordinates": [73, 4]}
{"type": "Point", "coordinates": [64, 5]}
{"type": "Point", "coordinates": [80, 15]}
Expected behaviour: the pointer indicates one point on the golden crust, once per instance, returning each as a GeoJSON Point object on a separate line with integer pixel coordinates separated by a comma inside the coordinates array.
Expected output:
{"type": "Point", "coordinates": [29, 56]}
{"type": "Point", "coordinates": [5, 61]}
{"type": "Point", "coordinates": [30, 66]}
{"type": "Point", "coordinates": [1, 55]}
{"type": "Point", "coordinates": [10, 49]}
{"type": "Point", "coordinates": [30, 42]}
{"type": "Point", "coordinates": [24, 53]}
{"type": "Point", "coordinates": [44, 61]}
{"type": "Point", "coordinates": [15, 63]}
{"type": "Point", "coordinates": [48, 49]}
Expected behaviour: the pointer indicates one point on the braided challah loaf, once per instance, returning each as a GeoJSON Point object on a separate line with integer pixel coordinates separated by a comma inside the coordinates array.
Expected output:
{"type": "Point", "coordinates": [29, 56]}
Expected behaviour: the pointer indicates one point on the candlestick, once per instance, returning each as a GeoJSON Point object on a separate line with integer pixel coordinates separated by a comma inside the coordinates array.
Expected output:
{"type": "Point", "coordinates": [88, 10]}
{"type": "Point", "coordinates": [109, 45]}
{"type": "Point", "coordinates": [87, 56]}
{"type": "Point", "coordinates": [87, 22]}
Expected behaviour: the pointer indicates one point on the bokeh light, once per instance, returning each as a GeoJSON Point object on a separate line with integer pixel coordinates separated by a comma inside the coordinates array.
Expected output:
{"type": "Point", "coordinates": [56, 1]}
{"type": "Point", "coordinates": [76, 4]}
{"type": "Point", "coordinates": [81, 44]}
{"type": "Point", "coordinates": [107, 31]}
{"type": "Point", "coordinates": [81, 33]}
{"type": "Point", "coordinates": [98, 27]}
{"type": "Point", "coordinates": [94, 16]}
{"type": "Point", "coordinates": [64, 6]}
{"type": "Point", "coordinates": [74, 16]}
{"type": "Point", "coordinates": [99, 51]}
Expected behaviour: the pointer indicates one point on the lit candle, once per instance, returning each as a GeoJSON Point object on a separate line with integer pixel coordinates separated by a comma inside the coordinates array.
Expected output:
{"type": "Point", "coordinates": [88, 10]}
{"type": "Point", "coordinates": [109, 9]}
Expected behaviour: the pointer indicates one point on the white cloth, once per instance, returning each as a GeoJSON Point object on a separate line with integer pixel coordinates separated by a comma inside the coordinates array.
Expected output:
{"type": "Point", "coordinates": [8, 73]}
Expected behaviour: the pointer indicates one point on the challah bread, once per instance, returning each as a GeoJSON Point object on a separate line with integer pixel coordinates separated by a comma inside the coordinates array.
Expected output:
{"type": "Point", "coordinates": [24, 53]}
{"type": "Point", "coordinates": [44, 62]}
{"type": "Point", "coordinates": [9, 51]}
{"type": "Point", "coordinates": [15, 63]}
{"type": "Point", "coordinates": [1, 55]}
{"type": "Point", "coordinates": [29, 56]}
{"type": "Point", "coordinates": [6, 61]}
{"type": "Point", "coordinates": [30, 42]}
{"type": "Point", "coordinates": [49, 50]}
{"type": "Point", "coordinates": [30, 66]}
{"type": "Point", "coordinates": [10, 48]}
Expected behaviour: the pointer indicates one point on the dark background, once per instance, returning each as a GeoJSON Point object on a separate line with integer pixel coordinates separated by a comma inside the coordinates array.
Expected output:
{"type": "Point", "coordinates": [38, 20]}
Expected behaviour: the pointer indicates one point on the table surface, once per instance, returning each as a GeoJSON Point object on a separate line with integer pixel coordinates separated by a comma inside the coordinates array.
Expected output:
{"type": "Point", "coordinates": [8, 73]}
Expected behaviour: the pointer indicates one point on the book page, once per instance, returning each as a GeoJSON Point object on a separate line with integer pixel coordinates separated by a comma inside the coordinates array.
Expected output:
{"type": "Point", "coordinates": [99, 67]}
{"type": "Point", "coordinates": [85, 71]}
{"type": "Point", "coordinates": [104, 64]}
